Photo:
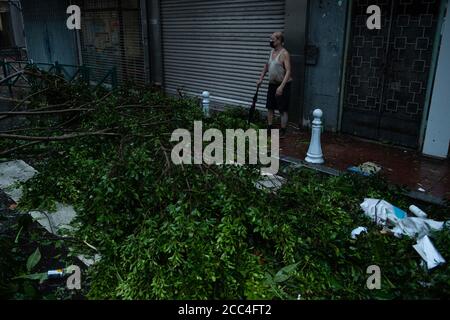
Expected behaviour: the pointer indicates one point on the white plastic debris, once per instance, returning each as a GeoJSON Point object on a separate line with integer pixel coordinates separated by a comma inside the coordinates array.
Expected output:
{"type": "Point", "coordinates": [385, 214]}
{"type": "Point", "coordinates": [429, 253]}
{"type": "Point", "coordinates": [416, 228]}
{"type": "Point", "coordinates": [418, 212]}
{"type": "Point", "coordinates": [11, 174]}
{"type": "Point", "coordinates": [357, 232]}
{"type": "Point", "coordinates": [382, 212]}
{"type": "Point", "coordinates": [396, 221]}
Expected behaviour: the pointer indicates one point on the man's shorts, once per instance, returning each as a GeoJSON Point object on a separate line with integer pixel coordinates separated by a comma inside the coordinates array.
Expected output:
{"type": "Point", "coordinates": [275, 102]}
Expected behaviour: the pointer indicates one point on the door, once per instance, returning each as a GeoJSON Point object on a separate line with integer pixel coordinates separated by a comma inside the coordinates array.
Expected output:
{"type": "Point", "coordinates": [218, 46]}
{"type": "Point", "coordinates": [388, 70]}
{"type": "Point", "coordinates": [48, 39]}
{"type": "Point", "coordinates": [111, 36]}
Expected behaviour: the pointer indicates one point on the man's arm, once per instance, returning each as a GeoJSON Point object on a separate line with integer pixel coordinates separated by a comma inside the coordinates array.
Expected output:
{"type": "Point", "coordinates": [287, 66]}
{"type": "Point", "coordinates": [263, 74]}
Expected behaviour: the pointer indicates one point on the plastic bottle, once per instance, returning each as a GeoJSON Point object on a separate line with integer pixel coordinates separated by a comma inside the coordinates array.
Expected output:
{"type": "Point", "coordinates": [418, 212]}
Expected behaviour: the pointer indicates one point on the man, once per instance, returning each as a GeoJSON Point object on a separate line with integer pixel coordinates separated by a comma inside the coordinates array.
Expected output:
{"type": "Point", "coordinates": [280, 78]}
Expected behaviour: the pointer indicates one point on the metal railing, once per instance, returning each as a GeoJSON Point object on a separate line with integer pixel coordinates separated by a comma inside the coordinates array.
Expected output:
{"type": "Point", "coordinates": [19, 74]}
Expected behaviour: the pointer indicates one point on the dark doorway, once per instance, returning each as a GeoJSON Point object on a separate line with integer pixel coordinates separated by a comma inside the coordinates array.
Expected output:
{"type": "Point", "coordinates": [388, 70]}
{"type": "Point", "coordinates": [5, 30]}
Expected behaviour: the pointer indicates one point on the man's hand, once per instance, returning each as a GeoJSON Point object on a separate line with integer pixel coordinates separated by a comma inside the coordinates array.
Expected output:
{"type": "Point", "coordinates": [280, 91]}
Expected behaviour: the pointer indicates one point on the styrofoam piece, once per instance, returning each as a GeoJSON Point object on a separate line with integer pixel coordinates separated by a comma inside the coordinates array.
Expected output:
{"type": "Point", "coordinates": [56, 222]}
{"type": "Point", "coordinates": [270, 182]}
{"type": "Point", "coordinates": [11, 174]}
{"type": "Point", "coordinates": [88, 260]}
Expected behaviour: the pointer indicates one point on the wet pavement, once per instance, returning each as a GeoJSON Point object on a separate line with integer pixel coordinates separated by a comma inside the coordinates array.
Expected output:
{"type": "Point", "coordinates": [401, 166]}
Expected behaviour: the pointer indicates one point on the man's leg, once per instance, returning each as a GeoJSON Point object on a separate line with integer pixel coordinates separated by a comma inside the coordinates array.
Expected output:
{"type": "Point", "coordinates": [271, 105]}
{"type": "Point", "coordinates": [284, 123]}
{"type": "Point", "coordinates": [284, 119]}
{"type": "Point", "coordinates": [284, 108]}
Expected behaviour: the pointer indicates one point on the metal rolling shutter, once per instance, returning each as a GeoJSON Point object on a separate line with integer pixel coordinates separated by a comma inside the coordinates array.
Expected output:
{"type": "Point", "coordinates": [111, 36]}
{"type": "Point", "coordinates": [218, 46]}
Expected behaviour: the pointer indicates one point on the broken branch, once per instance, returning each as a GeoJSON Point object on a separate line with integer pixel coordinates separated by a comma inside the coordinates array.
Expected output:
{"type": "Point", "coordinates": [58, 138]}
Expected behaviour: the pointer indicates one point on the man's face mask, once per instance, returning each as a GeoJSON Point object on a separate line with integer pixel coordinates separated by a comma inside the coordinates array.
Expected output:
{"type": "Point", "coordinates": [272, 43]}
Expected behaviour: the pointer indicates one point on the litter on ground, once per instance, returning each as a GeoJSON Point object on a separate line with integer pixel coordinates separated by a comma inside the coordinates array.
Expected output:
{"type": "Point", "coordinates": [366, 169]}
{"type": "Point", "coordinates": [428, 252]}
{"type": "Point", "coordinates": [358, 231]}
{"type": "Point", "coordinates": [397, 222]}
{"type": "Point", "coordinates": [13, 173]}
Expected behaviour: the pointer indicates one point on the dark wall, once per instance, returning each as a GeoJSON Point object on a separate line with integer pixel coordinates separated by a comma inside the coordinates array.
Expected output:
{"type": "Point", "coordinates": [326, 31]}
{"type": "Point", "coordinates": [295, 34]}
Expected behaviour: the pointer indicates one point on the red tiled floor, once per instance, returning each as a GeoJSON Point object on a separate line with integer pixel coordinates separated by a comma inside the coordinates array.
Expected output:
{"type": "Point", "coordinates": [401, 166]}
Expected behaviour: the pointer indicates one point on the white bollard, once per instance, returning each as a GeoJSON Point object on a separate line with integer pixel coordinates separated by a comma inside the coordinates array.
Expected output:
{"type": "Point", "coordinates": [315, 154]}
{"type": "Point", "coordinates": [206, 102]}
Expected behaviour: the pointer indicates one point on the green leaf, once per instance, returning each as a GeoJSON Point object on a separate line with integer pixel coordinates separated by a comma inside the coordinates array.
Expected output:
{"type": "Point", "coordinates": [35, 276]}
{"type": "Point", "coordinates": [33, 259]}
{"type": "Point", "coordinates": [29, 290]}
{"type": "Point", "coordinates": [285, 273]}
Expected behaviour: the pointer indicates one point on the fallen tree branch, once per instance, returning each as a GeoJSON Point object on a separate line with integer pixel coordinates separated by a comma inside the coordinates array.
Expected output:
{"type": "Point", "coordinates": [140, 107]}
{"type": "Point", "coordinates": [58, 138]}
{"type": "Point", "coordinates": [43, 76]}
{"type": "Point", "coordinates": [28, 102]}
{"type": "Point", "coordinates": [9, 151]}
{"type": "Point", "coordinates": [98, 100]}
{"type": "Point", "coordinates": [16, 74]}
{"type": "Point", "coordinates": [37, 113]}
{"type": "Point", "coordinates": [24, 100]}
{"type": "Point", "coordinates": [14, 100]}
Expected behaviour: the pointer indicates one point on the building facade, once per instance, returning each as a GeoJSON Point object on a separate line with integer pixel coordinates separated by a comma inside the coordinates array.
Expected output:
{"type": "Point", "coordinates": [387, 85]}
{"type": "Point", "coordinates": [12, 37]}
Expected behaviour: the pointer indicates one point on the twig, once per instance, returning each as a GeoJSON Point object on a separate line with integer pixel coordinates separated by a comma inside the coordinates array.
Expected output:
{"type": "Point", "coordinates": [24, 101]}
{"type": "Point", "coordinates": [43, 76]}
{"type": "Point", "coordinates": [185, 178]}
{"type": "Point", "coordinates": [6, 152]}
{"type": "Point", "coordinates": [37, 113]}
{"type": "Point", "coordinates": [137, 106]}
{"type": "Point", "coordinates": [90, 246]}
{"type": "Point", "coordinates": [58, 138]}
{"type": "Point", "coordinates": [165, 154]}
{"type": "Point", "coordinates": [68, 121]}
{"type": "Point", "coordinates": [14, 100]}
{"type": "Point", "coordinates": [98, 100]}
{"type": "Point", "coordinates": [50, 107]}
